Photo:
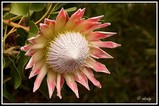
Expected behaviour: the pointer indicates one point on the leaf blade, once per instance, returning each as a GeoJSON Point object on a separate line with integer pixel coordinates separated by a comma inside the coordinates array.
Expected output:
{"type": "Point", "coordinates": [36, 7]}
{"type": "Point", "coordinates": [20, 9]}
{"type": "Point", "coordinates": [16, 75]}
{"type": "Point", "coordinates": [33, 30]}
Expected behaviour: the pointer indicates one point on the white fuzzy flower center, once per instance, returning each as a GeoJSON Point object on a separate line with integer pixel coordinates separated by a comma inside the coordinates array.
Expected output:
{"type": "Point", "coordinates": [67, 52]}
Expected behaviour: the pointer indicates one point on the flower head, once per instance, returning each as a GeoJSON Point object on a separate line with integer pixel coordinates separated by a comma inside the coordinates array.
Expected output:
{"type": "Point", "coordinates": [64, 50]}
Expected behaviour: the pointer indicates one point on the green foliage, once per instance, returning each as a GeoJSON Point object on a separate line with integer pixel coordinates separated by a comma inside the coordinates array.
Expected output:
{"type": "Point", "coordinates": [15, 74]}
{"type": "Point", "coordinates": [33, 30]}
{"type": "Point", "coordinates": [24, 9]}
{"type": "Point", "coordinates": [7, 95]}
{"type": "Point", "coordinates": [20, 9]}
{"type": "Point", "coordinates": [37, 7]}
{"type": "Point", "coordinates": [20, 40]}
{"type": "Point", "coordinates": [22, 61]}
{"type": "Point", "coordinates": [67, 10]}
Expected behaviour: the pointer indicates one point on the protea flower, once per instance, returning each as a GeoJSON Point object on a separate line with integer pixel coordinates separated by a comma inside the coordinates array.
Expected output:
{"type": "Point", "coordinates": [65, 50]}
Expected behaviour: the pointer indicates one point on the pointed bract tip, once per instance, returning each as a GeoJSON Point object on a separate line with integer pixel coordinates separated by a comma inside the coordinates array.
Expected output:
{"type": "Point", "coordinates": [119, 45]}
{"type": "Point", "coordinates": [83, 9]}
{"type": "Point", "coordinates": [31, 75]}
{"type": "Point", "coordinates": [109, 23]}
{"type": "Point", "coordinates": [22, 48]}
{"type": "Point", "coordinates": [35, 88]}
{"type": "Point", "coordinates": [77, 94]}
{"type": "Point", "coordinates": [62, 10]}
{"type": "Point", "coordinates": [59, 96]}
{"type": "Point", "coordinates": [101, 16]}
{"type": "Point", "coordinates": [50, 95]}
{"type": "Point", "coordinates": [87, 87]}
{"type": "Point", "coordinates": [41, 24]}
{"type": "Point", "coordinates": [107, 72]}
{"type": "Point", "coordinates": [114, 33]}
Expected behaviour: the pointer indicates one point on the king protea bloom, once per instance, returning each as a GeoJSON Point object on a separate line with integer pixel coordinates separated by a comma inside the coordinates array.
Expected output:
{"type": "Point", "coordinates": [65, 49]}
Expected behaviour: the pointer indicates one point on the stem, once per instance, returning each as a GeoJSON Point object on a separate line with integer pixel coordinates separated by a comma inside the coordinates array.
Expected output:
{"type": "Point", "coordinates": [13, 29]}
{"type": "Point", "coordinates": [44, 15]}
{"type": "Point", "coordinates": [16, 17]}
{"type": "Point", "coordinates": [5, 34]}
{"type": "Point", "coordinates": [53, 9]}
{"type": "Point", "coordinates": [7, 79]}
{"type": "Point", "coordinates": [6, 9]}
{"type": "Point", "coordinates": [10, 23]}
{"type": "Point", "coordinates": [10, 32]}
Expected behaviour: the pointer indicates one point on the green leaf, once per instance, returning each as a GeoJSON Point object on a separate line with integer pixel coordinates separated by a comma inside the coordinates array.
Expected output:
{"type": "Point", "coordinates": [33, 30]}
{"type": "Point", "coordinates": [21, 39]}
{"type": "Point", "coordinates": [67, 10]}
{"type": "Point", "coordinates": [60, 5]}
{"type": "Point", "coordinates": [22, 61]}
{"type": "Point", "coordinates": [7, 79]}
{"type": "Point", "coordinates": [43, 88]}
{"type": "Point", "coordinates": [15, 74]}
{"type": "Point", "coordinates": [71, 9]}
{"type": "Point", "coordinates": [37, 6]}
{"type": "Point", "coordinates": [8, 15]}
{"type": "Point", "coordinates": [151, 51]}
{"type": "Point", "coordinates": [7, 95]}
{"type": "Point", "coordinates": [6, 62]}
{"type": "Point", "coordinates": [20, 9]}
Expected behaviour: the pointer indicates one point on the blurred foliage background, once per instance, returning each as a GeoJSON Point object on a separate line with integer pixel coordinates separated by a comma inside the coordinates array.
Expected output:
{"type": "Point", "coordinates": [133, 69]}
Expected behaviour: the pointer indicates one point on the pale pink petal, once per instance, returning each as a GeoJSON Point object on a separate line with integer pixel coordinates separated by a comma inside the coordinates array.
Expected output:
{"type": "Point", "coordinates": [71, 83]}
{"type": "Point", "coordinates": [97, 66]}
{"type": "Point", "coordinates": [30, 52]}
{"type": "Point", "coordinates": [81, 78]}
{"type": "Point", "coordinates": [47, 30]}
{"type": "Point", "coordinates": [43, 27]}
{"type": "Point", "coordinates": [51, 82]}
{"type": "Point", "coordinates": [35, 58]}
{"type": "Point", "coordinates": [94, 36]}
{"type": "Point", "coordinates": [106, 44]}
{"type": "Point", "coordinates": [40, 77]}
{"type": "Point", "coordinates": [78, 14]}
{"type": "Point", "coordinates": [48, 21]}
{"type": "Point", "coordinates": [75, 19]}
{"type": "Point", "coordinates": [36, 68]}
{"type": "Point", "coordinates": [88, 72]}
{"type": "Point", "coordinates": [86, 26]}
{"type": "Point", "coordinates": [61, 20]}
{"type": "Point", "coordinates": [35, 46]}
{"type": "Point", "coordinates": [99, 53]}
{"type": "Point", "coordinates": [30, 63]}
{"type": "Point", "coordinates": [103, 25]}
{"type": "Point", "coordinates": [32, 40]}
{"type": "Point", "coordinates": [26, 47]}
{"type": "Point", "coordinates": [59, 84]}
{"type": "Point", "coordinates": [38, 46]}
{"type": "Point", "coordinates": [95, 25]}
{"type": "Point", "coordinates": [38, 39]}
{"type": "Point", "coordinates": [95, 19]}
